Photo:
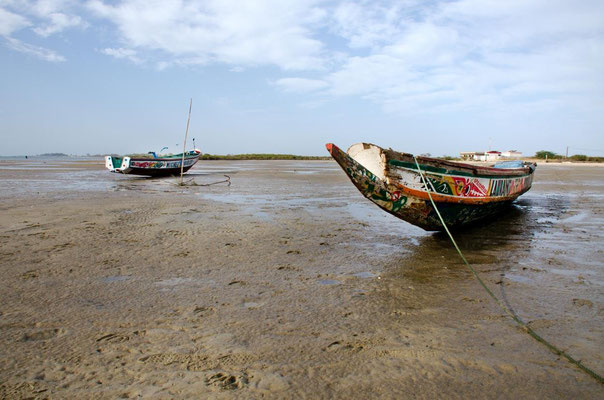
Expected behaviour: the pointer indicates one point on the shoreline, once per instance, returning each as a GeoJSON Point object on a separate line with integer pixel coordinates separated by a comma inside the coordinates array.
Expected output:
{"type": "Point", "coordinates": [287, 157]}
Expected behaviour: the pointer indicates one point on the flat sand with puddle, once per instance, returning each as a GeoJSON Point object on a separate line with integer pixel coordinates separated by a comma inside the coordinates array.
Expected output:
{"type": "Point", "coordinates": [288, 285]}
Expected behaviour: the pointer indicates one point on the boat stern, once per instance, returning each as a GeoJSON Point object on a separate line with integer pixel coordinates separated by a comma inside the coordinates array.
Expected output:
{"type": "Point", "coordinates": [125, 167]}
{"type": "Point", "coordinates": [110, 163]}
{"type": "Point", "coordinates": [117, 164]}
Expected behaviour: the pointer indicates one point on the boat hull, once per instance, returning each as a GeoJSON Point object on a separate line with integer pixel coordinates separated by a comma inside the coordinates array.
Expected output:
{"type": "Point", "coordinates": [150, 166]}
{"type": "Point", "coordinates": [400, 190]}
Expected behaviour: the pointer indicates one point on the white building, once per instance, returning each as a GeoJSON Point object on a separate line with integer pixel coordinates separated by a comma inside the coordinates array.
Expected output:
{"type": "Point", "coordinates": [489, 155]}
{"type": "Point", "coordinates": [492, 156]}
{"type": "Point", "coordinates": [480, 155]}
{"type": "Point", "coordinates": [468, 155]}
{"type": "Point", "coordinates": [511, 154]}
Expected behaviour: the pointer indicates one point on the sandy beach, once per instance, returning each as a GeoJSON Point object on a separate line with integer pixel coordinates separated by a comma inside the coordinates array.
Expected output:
{"type": "Point", "coordinates": [288, 285]}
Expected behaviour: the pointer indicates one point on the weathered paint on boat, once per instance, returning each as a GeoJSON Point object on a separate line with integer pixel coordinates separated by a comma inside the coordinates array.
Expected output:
{"type": "Point", "coordinates": [160, 166]}
{"type": "Point", "coordinates": [464, 193]}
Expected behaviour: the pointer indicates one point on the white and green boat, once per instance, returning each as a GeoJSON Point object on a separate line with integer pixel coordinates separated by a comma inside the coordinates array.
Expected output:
{"type": "Point", "coordinates": [152, 164]}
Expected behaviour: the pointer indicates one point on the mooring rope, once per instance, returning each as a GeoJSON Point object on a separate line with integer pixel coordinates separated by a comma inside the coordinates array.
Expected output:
{"type": "Point", "coordinates": [191, 182]}
{"type": "Point", "coordinates": [521, 323]}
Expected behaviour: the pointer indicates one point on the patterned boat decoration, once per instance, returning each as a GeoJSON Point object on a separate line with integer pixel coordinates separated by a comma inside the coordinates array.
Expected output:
{"type": "Point", "coordinates": [152, 165]}
{"type": "Point", "coordinates": [463, 193]}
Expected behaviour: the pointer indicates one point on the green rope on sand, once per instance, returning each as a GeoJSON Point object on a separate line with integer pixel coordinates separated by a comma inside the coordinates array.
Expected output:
{"type": "Point", "coordinates": [521, 323]}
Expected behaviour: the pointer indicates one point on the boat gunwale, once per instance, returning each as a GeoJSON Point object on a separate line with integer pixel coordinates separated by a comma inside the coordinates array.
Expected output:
{"type": "Point", "coordinates": [444, 198]}
{"type": "Point", "coordinates": [469, 169]}
{"type": "Point", "coordinates": [431, 171]}
{"type": "Point", "coordinates": [175, 157]}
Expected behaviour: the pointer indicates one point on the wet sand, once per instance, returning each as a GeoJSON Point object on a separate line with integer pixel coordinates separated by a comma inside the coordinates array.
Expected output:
{"type": "Point", "coordinates": [288, 284]}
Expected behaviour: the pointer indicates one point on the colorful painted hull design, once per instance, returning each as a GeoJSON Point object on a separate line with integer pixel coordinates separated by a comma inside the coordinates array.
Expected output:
{"type": "Point", "coordinates": [161, 166]}
{"type": "Point", "coordinates": [463, 193]}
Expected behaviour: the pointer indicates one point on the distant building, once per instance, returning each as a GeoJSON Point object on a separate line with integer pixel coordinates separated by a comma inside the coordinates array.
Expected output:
{"type": "Point", "coordinates": [479, 155]}
{"type": "Point", "coordinates": [468, 155]}
{"type": "Point", "coordinates": [511, 154]}
{"type": "Point", "coordinates": [489, 155]}
{"type": "Point", "coordinates": [492, 156]}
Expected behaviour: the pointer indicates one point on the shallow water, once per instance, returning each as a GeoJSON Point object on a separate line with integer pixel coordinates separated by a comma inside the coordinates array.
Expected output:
{"type": "Point", "coordinates": [558, 222]}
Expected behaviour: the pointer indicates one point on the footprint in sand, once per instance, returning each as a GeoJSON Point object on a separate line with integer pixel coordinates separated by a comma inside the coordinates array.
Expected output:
{"type": "Point", "coordinates": [226, 381]}
{"type": "Point", "coordinates": [190, 362]}
{"type": "Point", "coordinates": [62, 246]}
{"type": "Point", "coordinates": [236, 359]}
{"type": "Point", "coordinates": [343, 346]}
{"type": "Point", "coordinates": [267, 382]}
{"type": "Point", "coordinates": [43, 335]}
{"type": "Point", "coordinates": [113, 338]}
{"type": "Point", "coordinates": [288, 267]}
{"type": "Point", "coordinates": [30, 274]}
{"type": "Point", "coordinates": [582, 302]}
{"type": "Point", "coordinates": [203, 311]}
{"type": "Point", "coordinates": [540, 323]}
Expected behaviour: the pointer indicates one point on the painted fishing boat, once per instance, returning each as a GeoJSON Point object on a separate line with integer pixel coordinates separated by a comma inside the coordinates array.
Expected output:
{"type": "Point", "coordinates": [151, 164]}
{"type": "Point", "coordinates": [463, 193]}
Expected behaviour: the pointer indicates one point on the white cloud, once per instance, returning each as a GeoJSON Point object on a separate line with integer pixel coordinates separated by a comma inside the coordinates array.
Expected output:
{"type": "Point", "coordinates": [44, 17]}
{"type": "Point", "coordinates": [369, 24]}
{"type": "Point", "coordinates": [300, 85]}
{"type": "Point", "coordinates": [471, 54]}
{"type": "Point", "coordinates": [259, 33]}
{"type": "Point", "coordinates": [58, 22]}
{"type": "Point", "coordinates": [408, 55]}
{"type": "Point", "coordinates": [122, 53]}
{"type": "Point", "coordinates": [11, 22]}
{"type": "Point", "coordinates": [36, 51]}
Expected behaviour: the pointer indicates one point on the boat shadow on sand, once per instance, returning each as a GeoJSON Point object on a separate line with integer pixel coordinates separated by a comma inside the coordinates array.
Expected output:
{"type": "Point", "coordinates": [496, 246]}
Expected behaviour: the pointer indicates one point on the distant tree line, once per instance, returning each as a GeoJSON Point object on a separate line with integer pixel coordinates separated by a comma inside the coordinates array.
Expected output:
{"type": "Point", "coordinates": [53, 155]}
{"type": "Point", "coordinates": [550, 155]}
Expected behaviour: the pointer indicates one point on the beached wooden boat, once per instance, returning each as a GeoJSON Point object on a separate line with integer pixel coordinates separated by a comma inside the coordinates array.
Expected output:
{"type": "Point", "coordinates": [463, 193]}
{"type": "Point", "coordinates": [151, 164]}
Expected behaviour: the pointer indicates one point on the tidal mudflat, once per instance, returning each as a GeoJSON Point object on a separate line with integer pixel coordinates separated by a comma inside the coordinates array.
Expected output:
{"type": "Point", "coordinates": [288, 284]}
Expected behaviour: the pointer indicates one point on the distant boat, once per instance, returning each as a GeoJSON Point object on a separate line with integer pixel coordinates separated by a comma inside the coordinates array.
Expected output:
{"type": "Point", "coordinates": [151, 164]}
{"type": "Point", "coordinates": [463, 193]}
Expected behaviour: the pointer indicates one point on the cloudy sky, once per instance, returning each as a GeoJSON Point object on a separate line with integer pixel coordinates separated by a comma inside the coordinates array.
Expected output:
{"type": "Point", "coordinates": [287, 76]}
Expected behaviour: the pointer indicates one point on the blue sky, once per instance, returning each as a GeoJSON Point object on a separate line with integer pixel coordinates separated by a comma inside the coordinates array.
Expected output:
{"type": "Point", "coordinates": [280, 76]}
